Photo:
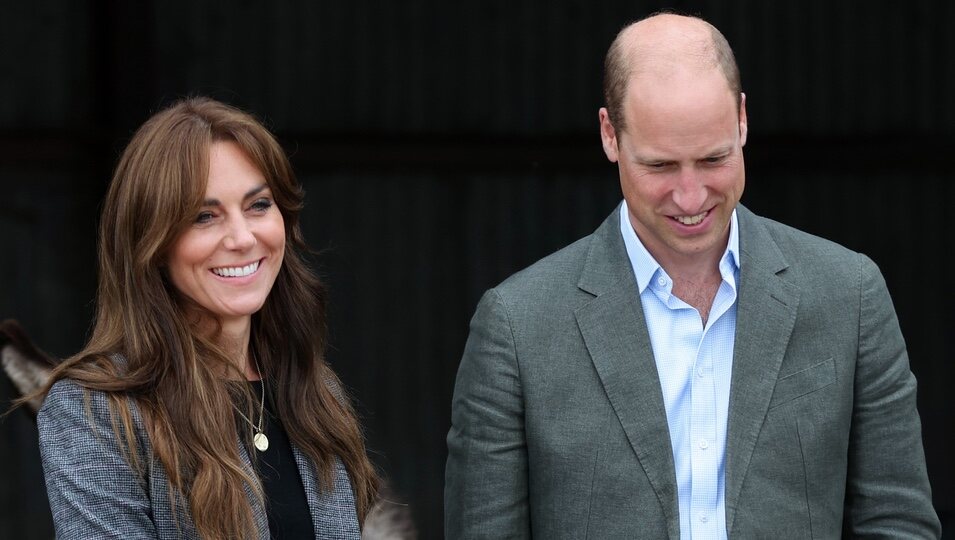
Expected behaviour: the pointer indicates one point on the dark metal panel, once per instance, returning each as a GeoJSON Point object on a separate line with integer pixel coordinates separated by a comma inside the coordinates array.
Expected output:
{"type": "Point", "coordinates": [45, 78]}
{"type": "Point", "coordinates": [50, 258]}
{"type": "Point", "coordinates": [495, 67]}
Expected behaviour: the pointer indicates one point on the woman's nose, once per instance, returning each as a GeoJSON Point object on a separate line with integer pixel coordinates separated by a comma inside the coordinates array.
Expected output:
{"type": "Point", "coordinates": [239, 236]}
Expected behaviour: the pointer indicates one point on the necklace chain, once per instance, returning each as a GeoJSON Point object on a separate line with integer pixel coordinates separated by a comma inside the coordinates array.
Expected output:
{"type": "Point", "coordinates": [259, 440]}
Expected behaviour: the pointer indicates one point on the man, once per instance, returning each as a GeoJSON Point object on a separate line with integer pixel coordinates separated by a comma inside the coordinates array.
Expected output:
{"type": "Point", "coordinates": [689, 370]}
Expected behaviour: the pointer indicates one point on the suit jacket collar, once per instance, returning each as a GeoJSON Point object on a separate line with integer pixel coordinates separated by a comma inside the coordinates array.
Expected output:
{"type": "Point", "coordinates": [615, 333]}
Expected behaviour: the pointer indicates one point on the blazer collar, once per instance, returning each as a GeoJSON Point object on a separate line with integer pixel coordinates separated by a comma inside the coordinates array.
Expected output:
{"type": "Point", "coordinates": [607, 266]}
{"type": "Point", "coordinates": [258, 510]}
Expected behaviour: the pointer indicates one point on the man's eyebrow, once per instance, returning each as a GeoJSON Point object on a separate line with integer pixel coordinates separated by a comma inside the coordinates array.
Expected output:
{"type": "Point", "coordinates": [251, 193]}
{"type": "Point", "coordinates": [721, 151]}
{"type": "Point", "coordinates": [652, 160]}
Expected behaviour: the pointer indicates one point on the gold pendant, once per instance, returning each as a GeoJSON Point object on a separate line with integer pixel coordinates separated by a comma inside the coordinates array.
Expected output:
{"type": "Point", "coordinates": [261, 442]}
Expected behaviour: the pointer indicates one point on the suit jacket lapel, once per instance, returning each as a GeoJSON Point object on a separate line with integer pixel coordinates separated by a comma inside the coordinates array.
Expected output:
{"type": "Point", "coordinates": [765, 315]}
{"type": "Point", "coordinates": [258, 511]}
{"type": "Point", "coordinates": [615, 333]}
{"type": "Point", "coordinates": [307, 472]}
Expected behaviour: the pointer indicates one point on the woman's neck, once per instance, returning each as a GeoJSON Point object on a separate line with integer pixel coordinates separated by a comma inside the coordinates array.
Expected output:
{"type": "Point", "coordinates": [234, 339]}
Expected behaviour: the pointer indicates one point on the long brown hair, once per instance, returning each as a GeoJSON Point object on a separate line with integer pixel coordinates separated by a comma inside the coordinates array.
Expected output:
{"type": "Point", "coordinates": [173, 369]}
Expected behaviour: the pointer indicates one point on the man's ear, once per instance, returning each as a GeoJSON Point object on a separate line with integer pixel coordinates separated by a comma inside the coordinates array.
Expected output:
{"type": "Point", "coordinates": [743, 126]}
{"type": "Point", "coordinates": [608, 135]}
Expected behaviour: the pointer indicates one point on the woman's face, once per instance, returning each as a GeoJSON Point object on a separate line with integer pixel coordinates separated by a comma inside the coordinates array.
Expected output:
{"type": "Point", "coordinates": [227, 261]}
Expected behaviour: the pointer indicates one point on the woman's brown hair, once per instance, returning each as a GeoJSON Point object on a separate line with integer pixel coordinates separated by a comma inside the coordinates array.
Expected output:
{"type": "Point", "coordinates": [172, 370]}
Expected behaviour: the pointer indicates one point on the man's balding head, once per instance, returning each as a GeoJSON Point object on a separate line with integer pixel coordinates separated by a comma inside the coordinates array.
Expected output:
{"type": "Point", "coordinates": [660, 45]}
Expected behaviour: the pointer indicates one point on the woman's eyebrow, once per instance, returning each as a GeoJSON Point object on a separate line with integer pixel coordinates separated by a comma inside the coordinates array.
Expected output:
{"type": "Point", "coordinates": [251, 193]}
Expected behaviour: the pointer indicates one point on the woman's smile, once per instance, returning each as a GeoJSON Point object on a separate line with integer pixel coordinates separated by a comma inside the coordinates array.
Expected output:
{"type": "Point", "coordinates": [228, 260]}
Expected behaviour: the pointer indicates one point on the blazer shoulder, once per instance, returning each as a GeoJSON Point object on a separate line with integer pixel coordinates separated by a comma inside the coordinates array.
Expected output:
{"type": "Point", "coordinates": [68, 402]}
{"type": "Point", "coordinates": [808, 253]}
{"type": "Point", "coordinates": [558, 271]}
{"type": "Point", "coordinates": [72, 412]}
{"type": "Point", "coordinates": [791, 239]}
{"type": "Point", "coordinates": [586, 268]}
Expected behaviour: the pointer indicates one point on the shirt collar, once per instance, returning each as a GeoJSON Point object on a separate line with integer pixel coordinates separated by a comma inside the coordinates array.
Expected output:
{"type": "Point", "coordinates": [645, 266]}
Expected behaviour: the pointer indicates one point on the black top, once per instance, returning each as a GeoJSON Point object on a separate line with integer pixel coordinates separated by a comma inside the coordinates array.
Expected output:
{"type": "Point", "coordinates": [286, 503]}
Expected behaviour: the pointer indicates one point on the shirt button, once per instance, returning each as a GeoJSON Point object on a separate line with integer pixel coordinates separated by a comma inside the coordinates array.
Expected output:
{"type": "Point", "coordinates": [703, 444]}
{"type": "Point", "coordinates": [703, 518]}
{"type": "Point", "coordinates": [662, 281]}
{"type": "Point", "coordinates": [699, 372]}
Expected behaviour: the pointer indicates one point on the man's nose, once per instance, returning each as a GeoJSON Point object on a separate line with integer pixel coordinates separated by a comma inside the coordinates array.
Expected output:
{"type": "Point", "coordinates": [689, 195]}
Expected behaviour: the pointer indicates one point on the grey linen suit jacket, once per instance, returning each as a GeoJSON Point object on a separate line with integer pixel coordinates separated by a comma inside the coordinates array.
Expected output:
{"type": "Point", "coordinates": [558, 423]}
{"type": "Point", "coordinates": [95, 493]}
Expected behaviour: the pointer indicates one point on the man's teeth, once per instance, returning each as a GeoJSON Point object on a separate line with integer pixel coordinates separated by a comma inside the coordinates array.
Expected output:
{"type": "Point", "coordinates": [237, 271]}
{"type": "Point", "coordinates": [691, 220]}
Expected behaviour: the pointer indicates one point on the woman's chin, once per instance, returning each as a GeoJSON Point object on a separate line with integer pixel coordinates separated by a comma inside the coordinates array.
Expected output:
{"type": "Point", "coordinates": [236, 312]}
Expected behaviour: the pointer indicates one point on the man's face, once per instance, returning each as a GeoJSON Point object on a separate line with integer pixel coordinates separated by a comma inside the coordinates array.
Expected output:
{"type": "Point", "coordinates": [681, 163]}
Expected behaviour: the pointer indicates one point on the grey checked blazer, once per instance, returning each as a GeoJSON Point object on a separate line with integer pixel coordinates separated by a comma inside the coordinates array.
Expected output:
{"type": "Point", "coordinates": [94, 493]}
{"type": "Point", "coordinates": [558, 427]}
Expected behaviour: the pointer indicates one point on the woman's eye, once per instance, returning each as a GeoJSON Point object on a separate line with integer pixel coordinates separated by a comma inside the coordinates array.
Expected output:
{"type": "Point", "coordinates": [204, 217]}
{"type": "Point", "coordinates": [262, 205]}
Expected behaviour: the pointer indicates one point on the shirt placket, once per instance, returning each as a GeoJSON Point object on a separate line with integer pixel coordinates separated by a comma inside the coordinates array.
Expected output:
{"type": "Point", "coordinates": [704, 455]}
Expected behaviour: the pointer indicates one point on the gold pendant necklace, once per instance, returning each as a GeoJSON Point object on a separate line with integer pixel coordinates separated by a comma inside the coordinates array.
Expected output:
{"type": "Point", "coordinates": [259, 439]}
{"type": "Point", "coordinates": [261, 442]}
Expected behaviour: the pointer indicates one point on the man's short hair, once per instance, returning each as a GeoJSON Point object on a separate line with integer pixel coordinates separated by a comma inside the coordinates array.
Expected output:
{"type": "Point", "coordinates": [618, 68]}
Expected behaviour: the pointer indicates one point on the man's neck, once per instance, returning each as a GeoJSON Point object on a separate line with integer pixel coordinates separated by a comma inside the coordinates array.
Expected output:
{"type": "Point", "coordinates": [696, 277]}
{"type": "Point", "coordinates": [698, 293]}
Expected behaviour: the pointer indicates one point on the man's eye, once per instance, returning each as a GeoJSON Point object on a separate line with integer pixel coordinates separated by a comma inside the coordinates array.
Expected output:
{"type": "Point", "coordinates": [713, 160]}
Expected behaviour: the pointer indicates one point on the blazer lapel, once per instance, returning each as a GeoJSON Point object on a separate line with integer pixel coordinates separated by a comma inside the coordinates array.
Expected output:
{"type": "Point", "coordinates": [307, 472]}
{"type": "Point", "coordinates": [765, 315]}
{"type": "Point", "coordinates": [616, 335]}
{"type": "Point", "coordinates": [258, 511]}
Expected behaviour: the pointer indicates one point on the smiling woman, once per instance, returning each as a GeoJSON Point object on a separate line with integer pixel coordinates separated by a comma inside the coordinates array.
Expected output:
{"type": "Point", "coordinates": [202, 406]}
{"type": "Point", "coordinates": [227, 261]}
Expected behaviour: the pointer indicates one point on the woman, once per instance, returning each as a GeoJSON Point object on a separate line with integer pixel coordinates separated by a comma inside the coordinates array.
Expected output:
{"type": "Point", "coordinates": [201, 406]}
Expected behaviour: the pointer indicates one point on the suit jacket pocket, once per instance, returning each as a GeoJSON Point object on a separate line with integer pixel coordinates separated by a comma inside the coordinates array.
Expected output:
{"type": "Point", "coordinates": [804, 382]}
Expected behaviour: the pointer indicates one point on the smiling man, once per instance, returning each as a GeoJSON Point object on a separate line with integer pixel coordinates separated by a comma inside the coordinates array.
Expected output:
{"type": "Point", "coordinates": [689, 370]}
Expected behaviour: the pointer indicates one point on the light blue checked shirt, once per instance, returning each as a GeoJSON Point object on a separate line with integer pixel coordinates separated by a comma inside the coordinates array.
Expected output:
{"type": "Point", "coordinates": [694, 363]}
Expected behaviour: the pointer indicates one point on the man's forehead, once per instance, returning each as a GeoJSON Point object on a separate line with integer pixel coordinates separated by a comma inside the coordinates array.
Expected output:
{"type": "Point", "coordinates": [679, 85]}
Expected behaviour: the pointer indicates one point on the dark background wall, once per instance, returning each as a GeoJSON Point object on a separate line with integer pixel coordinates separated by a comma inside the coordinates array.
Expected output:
{"type": "Point", "coordinates": [445, 145]}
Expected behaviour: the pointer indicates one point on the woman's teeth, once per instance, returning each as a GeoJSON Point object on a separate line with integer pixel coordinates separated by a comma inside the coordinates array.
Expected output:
{"type": "Point", "coordinates": [236, 271]}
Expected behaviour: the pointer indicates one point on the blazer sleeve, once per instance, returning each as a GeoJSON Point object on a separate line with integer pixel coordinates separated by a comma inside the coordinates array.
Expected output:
{"type": "Point", "coordinates": [887, 492]}
{"type": "Point", "coordinates": [486, 485]}
{"type": "Point", "coordinates": [93, 490]}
